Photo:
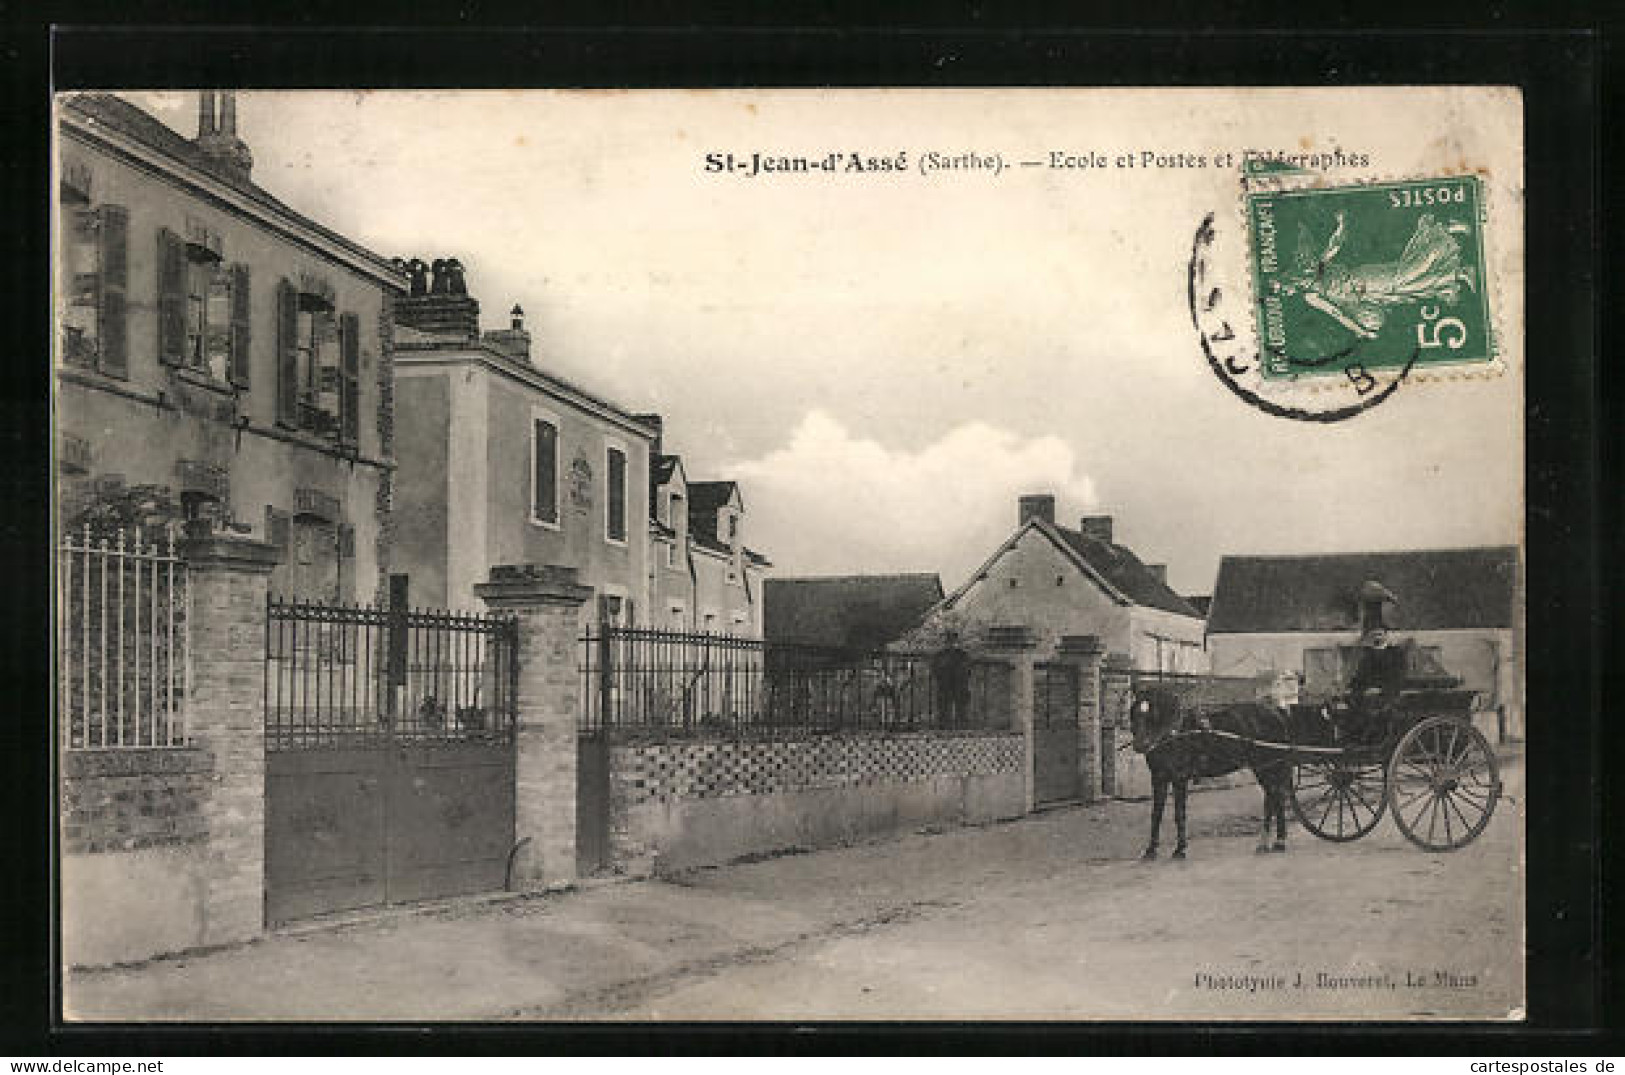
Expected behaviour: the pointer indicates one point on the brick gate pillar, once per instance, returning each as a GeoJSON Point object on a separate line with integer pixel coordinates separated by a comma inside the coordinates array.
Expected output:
{"type": "Point", "coordinates": [1118, 769]}
{"type": "Point", "coordinates": [1083, 653]}
{"type": "Point", "coordinates": [547, 602]}
{"type": "Point", "coordinates": [225, 718]}
{"type": "Point", "coordinates": [1014, 646]}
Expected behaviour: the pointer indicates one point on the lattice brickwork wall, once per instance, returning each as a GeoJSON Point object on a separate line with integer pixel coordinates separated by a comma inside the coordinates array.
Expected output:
{"type": "Point", "coordinates": [657, 771]}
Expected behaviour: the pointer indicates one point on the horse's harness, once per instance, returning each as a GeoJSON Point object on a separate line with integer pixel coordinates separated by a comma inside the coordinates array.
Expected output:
{"type": "Point", "coordinates": [1205, 729]}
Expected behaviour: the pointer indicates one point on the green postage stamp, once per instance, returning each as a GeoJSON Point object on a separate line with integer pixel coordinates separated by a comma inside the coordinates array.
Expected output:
{"type": "Point", "coordinates": [1389, 275]}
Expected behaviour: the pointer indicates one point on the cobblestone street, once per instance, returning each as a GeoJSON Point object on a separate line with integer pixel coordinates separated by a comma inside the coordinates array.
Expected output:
{"type": "Point", "coordinates": [1049, 917]}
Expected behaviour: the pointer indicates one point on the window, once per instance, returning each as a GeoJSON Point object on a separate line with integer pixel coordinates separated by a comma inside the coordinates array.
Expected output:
{"type": "Point", "coordinates": [671, 554]}
{"type": "Point", "coordinates": [615, 494]}
{"type": "Point", "coordinates": [318, 364]}
{"type": "Point", "coordinates": [94, 272]}
{"type": "Point", "coordinates": [203, 308]}
{"type": "Point", "coordinates": [731, 530]}
{"type": "Point", "coordinates": [544, 471]}
{"type": "Point", "coordinates": [677, 614]}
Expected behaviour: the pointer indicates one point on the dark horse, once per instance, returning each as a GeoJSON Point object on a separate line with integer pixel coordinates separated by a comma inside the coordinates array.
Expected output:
{"type": "Point", "coordinates": [1179, 746]}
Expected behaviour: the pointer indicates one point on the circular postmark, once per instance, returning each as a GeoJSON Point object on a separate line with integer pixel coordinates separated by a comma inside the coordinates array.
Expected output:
{"type": "Point", "coordinates": [1331, 382]}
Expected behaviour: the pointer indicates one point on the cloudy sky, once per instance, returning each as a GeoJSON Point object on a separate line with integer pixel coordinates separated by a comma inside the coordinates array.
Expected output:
{"type": "Point", "coordinates": [887, 360]}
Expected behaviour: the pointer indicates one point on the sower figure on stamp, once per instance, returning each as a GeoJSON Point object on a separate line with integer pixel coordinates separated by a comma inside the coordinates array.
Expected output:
{"type": "Point", "coordinates": [1429, 268]}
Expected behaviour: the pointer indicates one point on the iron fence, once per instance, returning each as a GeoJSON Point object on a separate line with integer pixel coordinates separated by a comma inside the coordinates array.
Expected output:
{"type": "Point", "coordinates": [122, 670]}
{"type": "Point", "coordinates": [355, 675]}
{"type": "Point", "coordinates": [643, 682]}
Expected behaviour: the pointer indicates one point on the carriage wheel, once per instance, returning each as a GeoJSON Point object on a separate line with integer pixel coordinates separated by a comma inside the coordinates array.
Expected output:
{"type": "Point", "coordinates": [1339, 800]}
{"type": "Point", "coordinates": [1443, 784]}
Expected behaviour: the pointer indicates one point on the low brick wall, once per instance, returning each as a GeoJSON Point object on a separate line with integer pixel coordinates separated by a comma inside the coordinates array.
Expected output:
{"type": "Point", "coordinates": [682, 804]}
{"type": "Point", "coordinates": [126, 800]}
{"type": "Point", "coordinates": [134, 841]}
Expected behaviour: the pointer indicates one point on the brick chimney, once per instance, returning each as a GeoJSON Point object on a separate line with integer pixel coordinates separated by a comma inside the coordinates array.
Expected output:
{"type": "Point", "coordinates": [223, 152]}
{"type": "Point", "coordinates": [513, 341]}
{"type": "Point", "coordinates": [1035, 506]}
{"type": "Point", "coordinates": [1098, 527]}
{"type": "Point", "coordinates": [1158, 572]}
{"type": "Point", "coordinates": [442, 307]}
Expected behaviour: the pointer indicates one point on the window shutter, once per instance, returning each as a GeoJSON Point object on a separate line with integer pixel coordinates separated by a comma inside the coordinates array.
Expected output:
{"type": "Point", "coordinates": [350, 368]}
{"type": "Point", "coordinates": [241, 326]}
{"type": "Point", "coordinates": [287, 354]}
{"type": "Point", "coordinates": [113, 278]}
{"type": "Point", "coordinates": [171, 298]}
{"type": "Point", "coordinates": [328, 377]}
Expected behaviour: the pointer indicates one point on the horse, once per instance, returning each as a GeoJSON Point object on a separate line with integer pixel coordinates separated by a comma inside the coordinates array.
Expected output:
{"type": "Point", "coordinates": [1177, 750]}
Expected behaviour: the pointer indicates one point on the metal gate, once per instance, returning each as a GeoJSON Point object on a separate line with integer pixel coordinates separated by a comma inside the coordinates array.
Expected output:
{"type": "Point", "coordinates": [389, 754]}
{"type": "Point", "coordinates": [1055, 733]}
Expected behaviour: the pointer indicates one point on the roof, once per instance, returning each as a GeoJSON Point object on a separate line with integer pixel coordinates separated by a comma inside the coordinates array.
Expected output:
{"type": "Point", "coordinates": [1118, 565]}
{"type": "Point", "coordinates": [115, 113]}
{"type": "Point", "coordinates": [662, 467]}
{"type": "Point", "coordinates": [704, 498]}
{"type": "Point", "coordinates": [1437, 589]}
{"type": "Point", "coordinates": [852, 611]}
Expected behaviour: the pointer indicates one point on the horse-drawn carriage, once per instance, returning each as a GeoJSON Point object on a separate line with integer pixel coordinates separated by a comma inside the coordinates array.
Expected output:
{"type": "Point", "coordinates": [1397, 737]}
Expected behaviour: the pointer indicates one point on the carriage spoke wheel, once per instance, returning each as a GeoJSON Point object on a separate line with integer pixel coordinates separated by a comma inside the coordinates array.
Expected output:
{"type": "Point", "coordinates": [1443, 784]}
{"type": "Point", "coordinates": [1339, 800]}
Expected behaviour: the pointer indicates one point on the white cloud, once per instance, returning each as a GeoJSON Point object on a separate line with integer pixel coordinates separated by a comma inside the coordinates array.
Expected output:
{"type": "Point", "coordinates": [831, 502]}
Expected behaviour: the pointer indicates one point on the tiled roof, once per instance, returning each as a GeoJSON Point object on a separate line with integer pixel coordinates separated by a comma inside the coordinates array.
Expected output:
{"type": "Point", "coordinates": [1118, 565]}
{"type": "Point", "coordinates": [1435, 588]}
{"type": "Point", "coordinates": [854, 611]}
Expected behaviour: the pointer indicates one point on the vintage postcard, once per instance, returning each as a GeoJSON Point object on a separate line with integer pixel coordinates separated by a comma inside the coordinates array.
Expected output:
{"type": "Point", "coordinates": [991, 554]}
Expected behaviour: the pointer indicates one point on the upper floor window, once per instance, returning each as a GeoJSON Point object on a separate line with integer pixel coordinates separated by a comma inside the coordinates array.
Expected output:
{"type": "Point", "coordinates": [615, 494]}
{"type": "Point", "coordinates": [544, 471]}
{"type": "Point", "coordinates": [731, 530]}
{"type": "Point", "coordinates": [203, 308]}
{"type": "Point", "coordinates": [318, 363]}
{"type": "Point", "coordinates": [94, 265]}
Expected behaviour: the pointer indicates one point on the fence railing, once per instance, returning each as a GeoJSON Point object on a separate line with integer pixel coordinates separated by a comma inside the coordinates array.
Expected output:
{"type": "Point", "coordinates": [662, 684]}
{"type": "Point", "coordinates": [351, 675]}
{"type": "Point", "coordinates": [121, 641]}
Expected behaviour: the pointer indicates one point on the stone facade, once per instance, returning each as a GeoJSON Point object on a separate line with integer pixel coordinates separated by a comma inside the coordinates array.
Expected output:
{"type": "Point", "coordinates": [207, 337]}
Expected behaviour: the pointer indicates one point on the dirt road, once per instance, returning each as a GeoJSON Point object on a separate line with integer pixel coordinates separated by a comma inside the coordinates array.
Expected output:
{"type": "Point", "coordinates": [1049, 917]}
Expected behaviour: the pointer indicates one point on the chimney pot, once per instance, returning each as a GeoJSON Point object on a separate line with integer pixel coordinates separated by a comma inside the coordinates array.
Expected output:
{"type": "Point", "coordinates": [1035, 505]}
{"type": "Point", "coordinates": [205, 113]}
{"type": "Point", "coordinates": [516, 317]}
{"type": "Point", "coordinates": [1098, 527]}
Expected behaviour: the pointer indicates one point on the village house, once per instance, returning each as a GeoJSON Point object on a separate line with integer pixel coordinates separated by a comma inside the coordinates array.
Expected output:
{"type": "Point", "coordinates": [220, 356]}
{"type": "Point", "coordinates": [857, 613]}
{"type": "Point", "coordinates": [1056, 581]}
{"type": "Point", "coordinates": [1304, 614]}
{"type": "Point", "coordinates": [702, 576]}
{"type": "Point", "coordinates": [504, 462]}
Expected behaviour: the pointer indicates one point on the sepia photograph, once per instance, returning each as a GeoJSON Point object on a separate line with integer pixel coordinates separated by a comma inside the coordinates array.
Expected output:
{"type": "Point", "coordinates": [776, 555]}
